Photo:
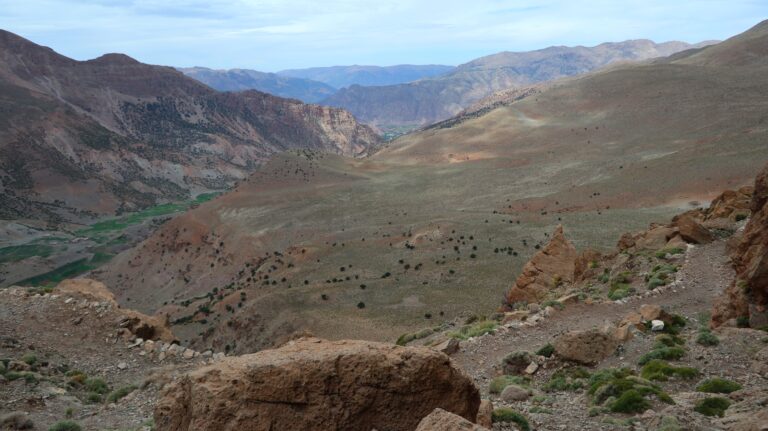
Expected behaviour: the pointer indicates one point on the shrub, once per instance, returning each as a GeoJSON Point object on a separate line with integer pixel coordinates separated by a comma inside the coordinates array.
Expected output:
{"type": "Point", "coordinates": [65, 426]}
{"type": "Point", "coordinates": [475, 330]}
{"type": "Point", "coordinates": [669, 423]}
{"type": "Point", "coordinates": [740, 217]}
{"type": "Point", "coordinates": [608, 387]}
{"type": "Point", "coordinates": [504, 414]}
{"type": "Point", "coordinates": [499, 383]}
{"type": "Point", "coordinates": [742, 321]}
{"type": "Point", "coordinates": [714, 406]}
{"type": "Point", "coordinates": [516, 362]}
{"type": "Point", "coordinates": [718, 386]}
{"type": "Point", "coordinates": [661, 370]}
{"type": "Point", "coordinates": [118, 394]}
{"type": "Point", "coordinates": [666, 353]}
{"type": "Point", "coordinates": [552, 303]}
{"type": "Point", "coordinates": [29, 359]}
{"type": "Point", "coordinates": [546, 351]}
{"type": "Point", "coordinates": [97, 385]}
{"type": "Point", "coordinates": [707, 338]}
{"type": "Point", "coordinates": [661, 254]}
{"type": "Point", "coordinates": [630, 402]}
{"type": "Point", "coordinates": [93, 398]}
{"type": "Point", "coordinates": [569, 379]}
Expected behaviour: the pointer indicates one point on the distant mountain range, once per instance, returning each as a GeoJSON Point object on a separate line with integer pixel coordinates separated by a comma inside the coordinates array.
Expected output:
{"type": "Point", "coordinates": [368, 76]}
{"type": "Point", "coordinates": [82, 138]}
{"type": "Point", "coordinates": [430, 100]}
{"type": "Point", "coordinates": [306, 90]}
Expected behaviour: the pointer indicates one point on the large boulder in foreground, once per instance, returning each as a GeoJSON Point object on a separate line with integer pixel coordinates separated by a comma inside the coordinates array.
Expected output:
{"type": "Point", "coordinates": [441, 420]}
{"type": "Point", "coordinates": [547, 269]}
{"type": "Point", "coordinates": [313, 384]}
{"type": "Point", "coordinates": [747, 296]}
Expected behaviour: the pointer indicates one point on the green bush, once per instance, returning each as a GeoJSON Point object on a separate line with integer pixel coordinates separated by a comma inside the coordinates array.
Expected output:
{"type": "Point", "coordinates": [718, 386]}
{"type": "Point", "coordinates": [661, 254]}
{"type": "Point", "coordinates": [630, 402]}
{"type": "Point", "coordinates": [707, 338]}
{"type": "Point", "coordinates": [546, 351]}
{"type": "Point", "coordinates": [29, 359]}
{"type": "Point", "coordinates": [666, 353]}
{"type": "Point", "coordinates": [516, 362]}
{"type": "Point", "coordinates": [65, 426]}
{"type": "Point", "coordinates": [669, 423]}
{"type": "Point", "coordinates": [661, 370]}
{"type": "Point", "coordinates": [474, 330]}
{"type": "Point", "coordinates": [742, 321]}
{"type": "Point", "coordinates": [118, 394]}
{"type": "Point", "coordinates": [668, 340]}
{"type": "Point", "coordinates": [569, 379]}
{"type": "Point", "coordinates": [499, 383]}
{"type": "Point", "coordinates": [504, 414]}
{"type": "Point", "coordinates": [97, 385]}
{"type": "Point", "coordinates": [608, 387]}
{"type": "Point", "coordinates": [714, 406]}
{"type": "Point", "coordinates": [93, 398]}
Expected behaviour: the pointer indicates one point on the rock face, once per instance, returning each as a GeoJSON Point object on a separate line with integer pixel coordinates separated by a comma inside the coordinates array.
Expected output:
{"type": "Point", "coordinates": [730, 204]}
{"type": "Point", "coordinates": [313, 384]}
{"type": "Point", "coordinates": [747, 296]}
{"type": "Point", "coordinates": [547, 269]}
{"type": "Point", "coordinates": [585, 347]}
{"type": "Point", "coordinates": [139, 324]}
{"type": "Point", "coordinates": [441, 420]}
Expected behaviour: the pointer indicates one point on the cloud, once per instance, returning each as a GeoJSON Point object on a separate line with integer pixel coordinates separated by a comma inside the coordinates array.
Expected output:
{"type": "Point", "coordinates": [276, 34]}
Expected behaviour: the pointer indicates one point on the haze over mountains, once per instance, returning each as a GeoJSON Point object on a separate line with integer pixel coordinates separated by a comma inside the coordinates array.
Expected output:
{"type": "Point", "coordinates": [82, 138]}
{"type": "Point", "coordinates": [438, 221]}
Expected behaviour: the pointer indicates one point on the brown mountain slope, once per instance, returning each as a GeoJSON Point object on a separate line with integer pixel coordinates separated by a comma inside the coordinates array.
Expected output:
{"type": "Point", "coordinates": [110, 134]}
{"type": "Point", "coordinates": [429, 100]}
{"type": "Point", "coordinates": [440, 221]}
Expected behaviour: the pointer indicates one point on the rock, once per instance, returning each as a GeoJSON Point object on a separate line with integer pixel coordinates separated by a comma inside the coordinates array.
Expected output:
{"type": "Point", "coordinates": [657, 325]}
{"type": "Point", "coordinates": [485, 414]}
{"type": "Point", "coordinates": [547, 269]}
{"type": "Point", "coordinates": [691, 230]}
{"type": "Point", "coordinates": [18, 366]}
{"type": "Point", "coordinates": [730, 203]}
{"type": "Point", "coordinates": [532, 368]}
{"type": "Point", "coordinates": [586, 264]}
{"type": "Point", "coordinates": [516, 362]}
{"type": "Point", "coordinates": [748, 294]}
{"type": "Point", "coordinates": [760, 362]}
{"type": "Point", "coordinates": [573, 298]}
{"type": "Point", "coordinates": [335, 385]}
{"type": "Point", "coordinates": [188, 354]}
{"type": "Point", "coordinates": [633, 319]}
{"type": "Point", "coordinates": [585, 347]}
{"type": "Point", "coordinates": [534, 307]}
{"type": "Point", "coordinates": [449, 346]}
{"type": "Point", "coordinates": [654, 312]}
{"type": "Point", "coordinates": [515, 316]}
{"type": "Point", "coordinates": [626, 241]}
{"type": "Point", "coordinates": [655, 238]}
{"type": "Point", "coordinates": [122, 365]}
{"type": "Point", "coordinates": [623, 333]}
{"type": "Point", "coordinates": [515, 393]}
{"type": "Point", "coordinates": [441, 420]}
{"type": "Point", "coordinates": [676, 242]}
{"type": "Point", "coordinates": [753, 422]}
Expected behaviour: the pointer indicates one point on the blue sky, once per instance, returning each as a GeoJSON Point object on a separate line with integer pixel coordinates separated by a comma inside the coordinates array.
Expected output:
{"type": "Point", "coordinates": [271, 35]}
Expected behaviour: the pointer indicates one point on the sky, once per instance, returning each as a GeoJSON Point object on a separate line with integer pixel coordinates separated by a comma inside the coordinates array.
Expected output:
{"type": "Point", "coordinates": [271, 35]}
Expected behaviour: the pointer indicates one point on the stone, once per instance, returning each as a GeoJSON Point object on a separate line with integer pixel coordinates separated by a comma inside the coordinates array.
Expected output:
{"type": "Point", "coordinates": [122, 365]}
{"type": "Point", "coordinates": [532, 368]}
{"type": "Point", "coordinates": [515, 393]}
{"type": "Point", "coordinates": [188, 354]}
{"type": "Point", "coordinates": [633, 319]}
{"type": "Point", "coordinates": [657, 325]}
{"type": "Point", "coordinates": [515, 316]}
{"type": "Point", "coordinates": [585, 347]}
{"type": "Point", "coordinates": [334, 384]}
{"type": "Point", "coordinates": [485, 414]}
{"type": "Point", "coordinates": [534, 307]}
{"type": "Point", "coordinates": [449, 346]}
{"type": "Point", "coordinates": [547, 270]}
{"type": "Point", "coordinates": [655, 238]}
{"type": "Point", "coordinates": [655, 312]}
{"type": "Point", "coordinates": [676, 242]}
{"type": "Point", "coordinates": [691, 231]}
{"type": "Point", "coordinates": [441, 420]}
{"type": "Point", "coordinates": [516, 362]}
{"type": "Point", "coordinates": [623, 333]}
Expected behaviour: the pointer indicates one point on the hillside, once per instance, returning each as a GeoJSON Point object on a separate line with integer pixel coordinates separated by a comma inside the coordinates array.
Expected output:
{"type": "Point", "coordinates": [435, 224]}
{"type": "Point", "coordinates": [345, 76]}
{"type": "Point", "coordinates": [86, 138]}
{"type": "Point", "coordinates": [431, 100]}
{"type": "Point", "coordinates": [306, 90]}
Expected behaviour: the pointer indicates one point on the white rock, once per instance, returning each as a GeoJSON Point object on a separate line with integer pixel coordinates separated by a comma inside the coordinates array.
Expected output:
{"type": "Point", "coordinates": [532, 367]}
{"type": "Point", "coordinates": [122, 365]}
{"type": "Point", "coordinates": [657, 325]}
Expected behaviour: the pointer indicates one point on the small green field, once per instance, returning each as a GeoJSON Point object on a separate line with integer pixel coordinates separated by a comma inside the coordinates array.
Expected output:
{"type": "Point", "coordinates": [69, 270]}
{"type": "Point", "coordinates": [17, 253]}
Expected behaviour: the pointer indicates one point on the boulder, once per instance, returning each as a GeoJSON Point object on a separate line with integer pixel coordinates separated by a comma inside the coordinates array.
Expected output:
{"type": "Point", "coordinates": [547, 269]}
{"type": "Point", "coordinates": [747, 295]}
{"type": "Point", "coordinates": [313, 384]}
{"type": "Point", "coordinates": [633, 319]}
{"type": "Point", "coordinates": [585, 347]}
{"type": "Point", "coordinates": [441, 420]}
{"type": "Point", "coordinates": [690, 230]}
{"type": "Point", "coordinates": [626, 241]}
{"type": "Point", "coordinates": [655, 238]}
{"type": "Point", "coordinates": [730, 203]}
{"type": "Point", "coordinates": [657, 325]}
{"type": "Point", "coordinates": [650, 312]}
{"type": "Point", "coordinates": [485, 414]}
{"type": "Point", "coordinates": [515, 393]}
{"type": "Point", "coordinates": [515, 316]}
{"type": "Point", "coordinates": [449, 346]}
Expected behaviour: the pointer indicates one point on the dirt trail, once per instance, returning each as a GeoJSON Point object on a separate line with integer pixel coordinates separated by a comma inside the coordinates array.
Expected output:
{"type": "Point", "coordinates": [704, 274]}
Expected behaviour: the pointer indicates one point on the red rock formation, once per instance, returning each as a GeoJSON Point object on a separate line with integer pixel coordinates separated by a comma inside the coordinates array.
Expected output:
{"type": "Point", "coordinates": [313, 384]}
{"type": "Point", "coordinates": [747, 296]}
{"type": "Point", "coordinates": [552, 265]}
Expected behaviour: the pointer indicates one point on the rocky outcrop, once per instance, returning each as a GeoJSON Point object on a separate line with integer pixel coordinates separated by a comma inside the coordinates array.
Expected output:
{"type": "Point", "coordinates": [548, 269]}
{"type": "Point", "coordinates": [441, 420]}
{"type": "Point", "coordinates": [313, 384]}
{"type": "Point", "coordinates": [731, 204]}
{"type": "Point", "coordinates": [747, 296]}
{"type": "Point", "coordinates": [585, 347]}
{"type": "Point", "coordinates": [138, 324]}
{"type": "Point", "coordinates": [690, 229]}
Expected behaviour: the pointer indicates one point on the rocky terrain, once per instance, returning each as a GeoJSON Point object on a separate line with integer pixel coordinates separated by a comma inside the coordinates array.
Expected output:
{"type": "Point", "coordinates": [435, 99]}
{"type": "Point", "coordinates": [80, 139]}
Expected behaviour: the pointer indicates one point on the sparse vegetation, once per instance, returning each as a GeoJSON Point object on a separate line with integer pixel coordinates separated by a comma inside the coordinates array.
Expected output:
{"type": "Point", "coordinates": [120, 393]}
{"type": "Point", "coordinates": [660, 370]}
{"type": "Point", "coordinates": [546, 351]}
{"type": "Point", "coordinates": [713, 406]}
{"type": "Point", "coordinates": [475, 330]}
{"type": "Point", "coordinates": [65, 426]}
{"type": "Point", "coordinates": [505, 414]}
{"type": "Point", "coordinates": [620, 390]}
{"type": "Point", "coordinates": [568, 379]}
{"type": "Point", "coordinates": [665, 353]}
{"type": "Point", "coordinates": [718, 385]}
{"type": "Point", "coordinates": [499, 383]}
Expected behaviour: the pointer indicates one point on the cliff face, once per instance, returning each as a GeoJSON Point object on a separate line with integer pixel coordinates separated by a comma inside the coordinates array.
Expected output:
{"type": "Point", "coordinates": [747, 296]}
{"type": "Point", "coordinates": [98, 136]}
